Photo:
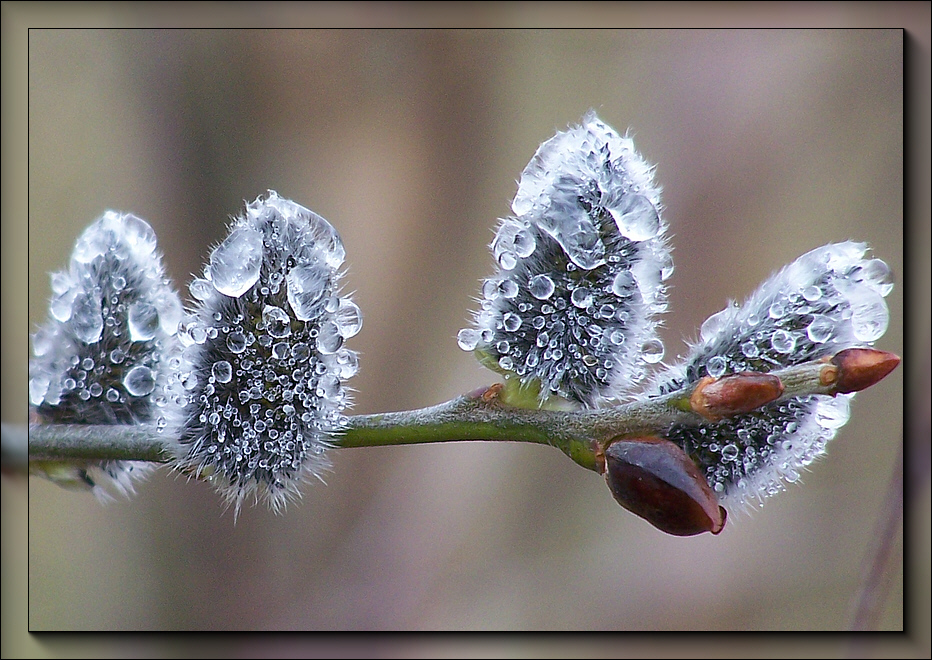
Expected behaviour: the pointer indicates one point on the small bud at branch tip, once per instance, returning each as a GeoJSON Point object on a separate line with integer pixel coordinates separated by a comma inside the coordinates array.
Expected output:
{"type": "Point", "coordinates": [859, 368]}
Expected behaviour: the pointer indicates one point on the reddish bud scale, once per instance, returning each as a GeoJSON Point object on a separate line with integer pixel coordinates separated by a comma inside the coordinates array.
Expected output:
{"type": "Point", "coordinates": [739, 393]}
{"type": "Point", "coordinates": [859, 368]}
{"type": "Point", "coordinates": [655, 479]}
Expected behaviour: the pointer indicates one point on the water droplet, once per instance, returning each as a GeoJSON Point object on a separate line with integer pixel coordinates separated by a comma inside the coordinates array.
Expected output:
{"type": "Point", "coordinates": [44, 340]}
{"type": "Point", "coordinates": [812, 293]}
{"type": "Point", "coordinates": [541, 287]}
{"type": "Point", "coordinates": [749, 349]}
{"type": "Point", "coordinates": [119, 283]}
{"type": "Point", "coordinates": [112, 395]}
{"type": "Point", "coordinates": [574, 231]}
{"type": "Point", "coordinates": [878, 275]}
{"type": "Point", "coordinates": [38, 386]}
{"type": "Point", "coordinates": [617, 337]}
{"type": "Point", "coordinates": [348, 362]}
{"type": "Point", "coordinates": [306, 288]}
{"type": "Point", "coordinates": [321, 234]}
{"type": "Point", "coordinates": [328, 387]}
{"type": "Point", "coordinates": [139, 381]}
{"type": "Point", "coordinates": [490, 290]}
{"type": "Point", "coordinates": [222, 371]}
{"type": "Point", "coordinates": [820, 330]}
{"type": "Point", "coordinates": [512, 240]}
{"type": "Point", "coordinates": [777, 310]}
{"type": "Point", "coordinates": [87, 319]}
{"type": "Point", "coordinates": [300, 352]}
{"type": "Point", "coordinates": [201, 289]}
{"type": "Point", "coordinates": [524, 243]}
{"type": "Point", "coordinates": [236, 342]}
{"type": "Point", "coordinates": [143, 321]}
{"type": "Point", "coordinates": [280, 350]}
{"type": "Point", "coordinates": [511, 322]}
{"type": "Point", "coordinates": [61, 282]}
{"type": "Point", "coordinates": [652, 351]}
{"type": "Point", "coordinates": [93, 243]}
{"type": "Point", "coordinates": [189, 380]}
{"type": "Point", "coordinates": [581, 297]}
{"type": "Point", "coordinates": [715, 324]}
{"type": "Point", "coordinates": [507, 260]}
{"type": "Point", "coordinates": [647, 276]}
{"type": "Point", "coordinates": [333, 303]}
{"type": "Point", "coordinates": [277, 321]}
{"type": "Point", "coordinates": [329, 340]}
{"type": "Point", "coordinates": [623, 285]}
{"type": "Point", "coordinates": [348, 318]}
{"type": "Point", "coordinates": [636, 217]}
{"type": "Point", "coordinates": [869, 315]}
{"type": "Point", "coordinates": [236, 263]}
{"type": "Point", "coordinates": [729, 452]}
{"type": "Point", "coordinates": [716, 366]}
{"type": "Point", "coordinates": [782, 341]}
{"type": "Point", "coordinates": [136, 232]}
{"type": "Point", "coordinates": [197, 333]}
{"type": "Point", "coordinates": [508, 288]}
{"type": "Point", "coordinates": [833, 414]}
{"type": "Point", "coordinates": [170, 310]}
{"type": "Point", "coordinates": [61, 305]}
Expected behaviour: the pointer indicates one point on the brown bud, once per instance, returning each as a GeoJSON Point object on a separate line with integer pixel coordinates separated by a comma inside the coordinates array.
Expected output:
{"type": "Point", "coordinates": [655, 479]}
{"type": "Point", "coordinates": [859, 368]}
{"type": "Point", "coordinates": [738, 393]}
{"type": "Point", "coordinates": [491, 393]}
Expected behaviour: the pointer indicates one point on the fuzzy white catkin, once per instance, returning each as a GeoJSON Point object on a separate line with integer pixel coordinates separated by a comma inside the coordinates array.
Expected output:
{"type": "Point", "coordinates": [103, 355]}
{"type": "Point", "coordinates": [260, 390]}
{"type": "Point", "coordinates": [829, 299]}
{"type": "Point", "coordinates": [581, 265]}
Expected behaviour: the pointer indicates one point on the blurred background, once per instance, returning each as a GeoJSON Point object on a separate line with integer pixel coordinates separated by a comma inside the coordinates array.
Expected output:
{"type": "Point", "coordinates": [768, 143]}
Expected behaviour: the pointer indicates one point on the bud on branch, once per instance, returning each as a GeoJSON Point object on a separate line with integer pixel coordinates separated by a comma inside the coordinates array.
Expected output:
{"type": "Point", "coordinates": [655, 479]}
{"type": "Point", "coordinates": [718, 398]}
{"type": "Point", "coordinates": [857, 369]}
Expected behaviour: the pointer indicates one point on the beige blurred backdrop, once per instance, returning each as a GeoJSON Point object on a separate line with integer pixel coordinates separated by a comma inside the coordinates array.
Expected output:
{"type": "Point", "coordinates": [768, 143]}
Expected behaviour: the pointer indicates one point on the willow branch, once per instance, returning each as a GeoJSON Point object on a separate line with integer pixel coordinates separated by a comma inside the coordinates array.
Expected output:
{"type": "Point", "coordinates": [90, 442]}
{"type": "Point", "coordinates": [486, 416]}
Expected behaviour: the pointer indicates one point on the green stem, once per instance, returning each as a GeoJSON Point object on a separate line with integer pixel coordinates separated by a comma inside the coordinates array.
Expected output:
{"type": "Point", "coordinates": [479, 416]}
{"type": "Point", "coordinates": [483, 415]}
{"type": "Point", "coordinates": [93, 442]}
